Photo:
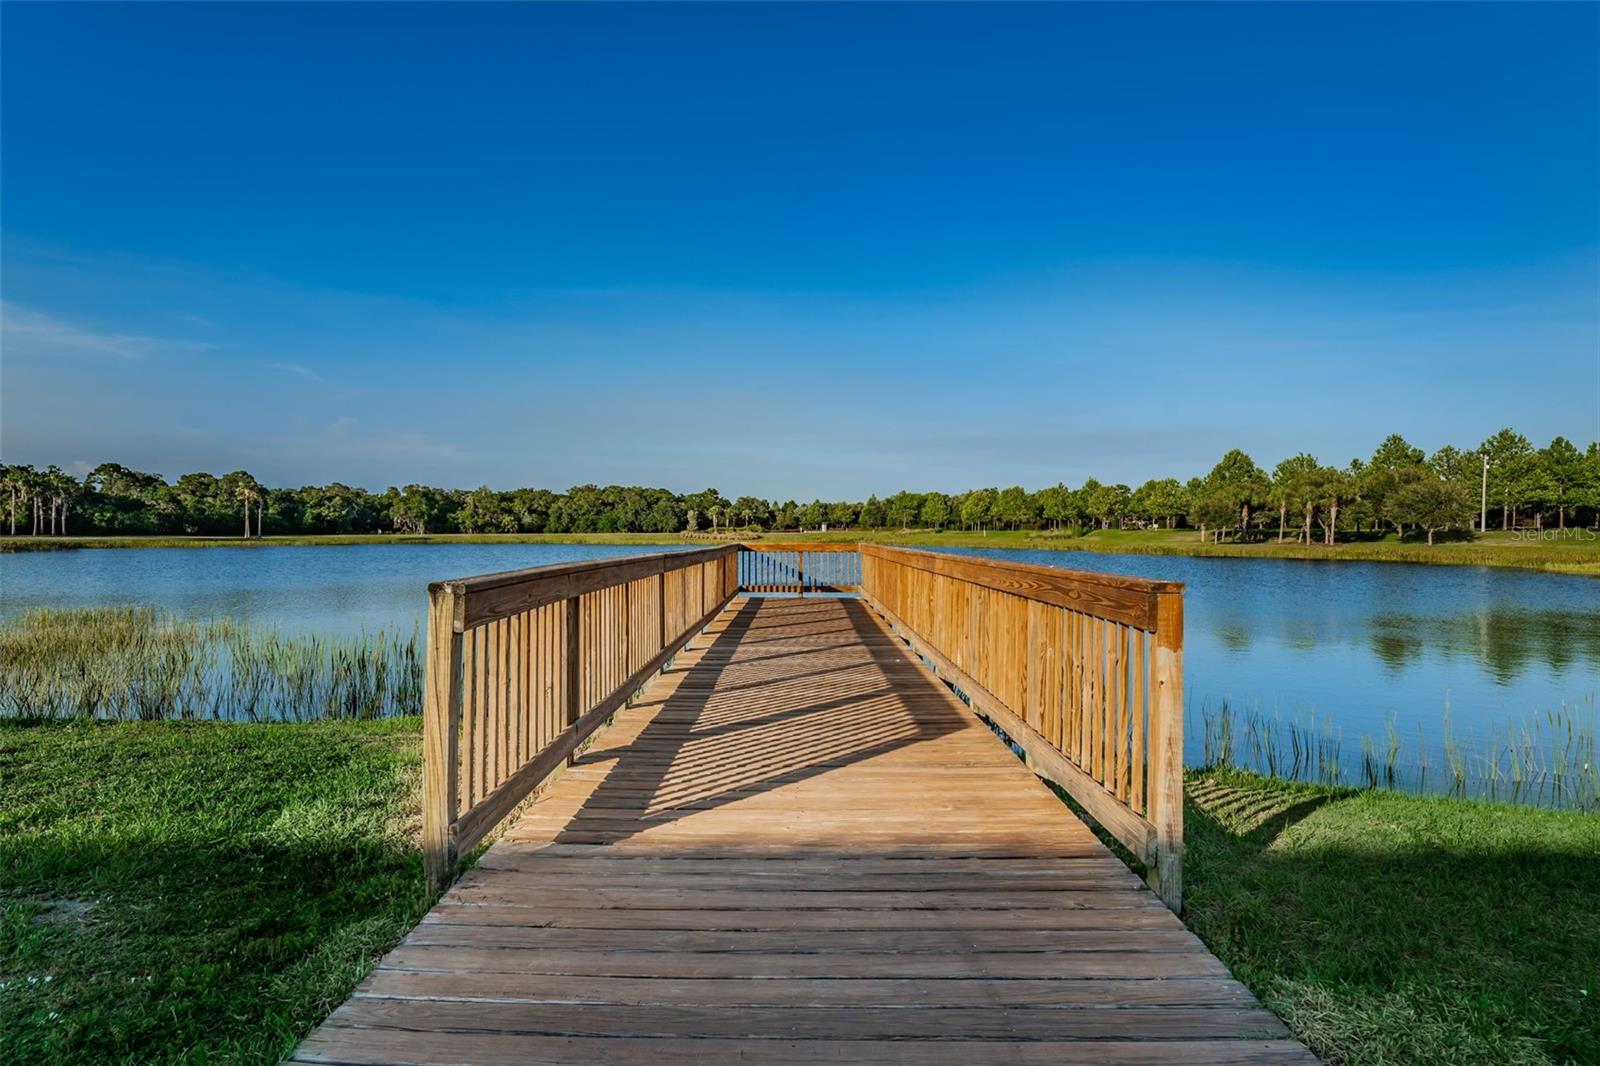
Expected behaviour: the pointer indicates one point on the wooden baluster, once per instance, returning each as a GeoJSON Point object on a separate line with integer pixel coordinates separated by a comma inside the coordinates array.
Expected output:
{"type": "Point", "coordinates": [1034, 666]}
{"type": "Point", "coordinates": [625, 624]}
{"type": "Point", "coordinates": [572, 664]}
{"type": "Point", "coordinates": [481, 697]}
{"type": "Point", "coordinates": [1119, 760]}
{"type": "Point", "coordinates": [503, 663]}
{"type": "Point", "coordinates": [542, 678]}
{"type": "Point", "coordinates": [1102, 703]}
{"type": "Point", "coordinates": [1137, 703]}
{"type": "Point", "coordinates": [1074, 683]}
{"type": "Point", "coordinates": [1053, 685]}
{"type": "Point", "coordinates": [1089, 624]}
{"type": "Point", "coordinates": [517, 709]}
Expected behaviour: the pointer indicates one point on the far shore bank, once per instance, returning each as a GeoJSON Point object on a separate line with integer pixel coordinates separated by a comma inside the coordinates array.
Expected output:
{"type": "Point", "coordinates": [1571, 551]}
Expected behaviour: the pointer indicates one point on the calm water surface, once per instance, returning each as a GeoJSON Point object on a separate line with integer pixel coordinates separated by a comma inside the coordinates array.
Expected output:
{"type": "Point", "coordinates": [339, 589]}
{"type": "Point", "coordinates": [1357, 647]}
{"type": "Point", "coordinates": [1352, 645]}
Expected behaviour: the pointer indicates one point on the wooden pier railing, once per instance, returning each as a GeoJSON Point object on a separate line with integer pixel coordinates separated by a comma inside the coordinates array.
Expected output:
{"type": "Point", "coordinates": [1083, 671]}
{"type": "Point", "coordinates": [522, 666]}
{"type": "Point", "coordinates": [799, 568]}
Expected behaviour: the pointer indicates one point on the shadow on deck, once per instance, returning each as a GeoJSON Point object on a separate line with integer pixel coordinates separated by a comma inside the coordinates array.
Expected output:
{"type": "Point", "coordinates": [798, 846]}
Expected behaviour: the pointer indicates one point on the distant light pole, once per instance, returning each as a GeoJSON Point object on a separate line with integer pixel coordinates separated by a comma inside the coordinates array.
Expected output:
{"type": "Point", "coordinates": [1483, 499]}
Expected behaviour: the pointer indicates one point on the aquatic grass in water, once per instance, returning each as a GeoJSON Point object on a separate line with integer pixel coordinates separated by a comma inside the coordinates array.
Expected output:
{"type": "Point", "coordinates": [141, 663]}
{"type": "Point", "coordinates": [1551, 759]}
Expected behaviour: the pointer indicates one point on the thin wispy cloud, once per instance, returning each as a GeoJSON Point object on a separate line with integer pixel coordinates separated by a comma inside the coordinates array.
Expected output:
{"type": "Point", "coordinates": [28, 333]}
{"type": "Point", "coordinates": [296, 369]}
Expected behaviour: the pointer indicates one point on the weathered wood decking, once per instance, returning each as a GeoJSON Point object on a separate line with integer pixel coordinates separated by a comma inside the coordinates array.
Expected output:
{"type": "Point", "coordinates": [799, 846]}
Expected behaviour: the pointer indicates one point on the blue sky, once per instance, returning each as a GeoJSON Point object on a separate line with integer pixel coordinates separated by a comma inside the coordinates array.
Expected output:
{"type": "Point", "coordinates": [791, 250]}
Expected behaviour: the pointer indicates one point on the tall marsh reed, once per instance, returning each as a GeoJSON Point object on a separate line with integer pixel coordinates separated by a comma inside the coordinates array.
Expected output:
{"type": "Point", "coordinates": [140, 663]}
{"type": "Point", "coordinates": [1551, 759]}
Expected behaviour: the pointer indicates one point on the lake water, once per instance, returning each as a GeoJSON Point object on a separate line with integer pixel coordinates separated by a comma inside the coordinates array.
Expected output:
{"type": "Point", "coordinates": [1346, 647]}
{"type": "Point", "coordinates": [1360, 646]}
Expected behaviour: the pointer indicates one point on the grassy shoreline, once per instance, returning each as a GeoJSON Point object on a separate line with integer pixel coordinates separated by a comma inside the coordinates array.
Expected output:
{"type": "Point", "coordinates": [198, 892]}
{"type": "Point", "coordinates": [1385, 927]}
{"type": "Point", "coordinates": [202, 892]}
{"type": "Point", "coordinates": [1572, 551]}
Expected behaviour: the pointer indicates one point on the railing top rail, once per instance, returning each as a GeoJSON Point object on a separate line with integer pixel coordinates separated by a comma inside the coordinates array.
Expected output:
{"type": "Point", "coordinates": [804, 546]}
{"type": "Point", "coordinates": [491, 596]}
{"type": "Point", "coordinates": [500, 578]}
{"type": "Point", "coordinates": [1131, 600]}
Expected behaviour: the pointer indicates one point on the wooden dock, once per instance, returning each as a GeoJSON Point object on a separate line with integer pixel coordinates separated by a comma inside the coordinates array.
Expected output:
{"type": "Point", "coordinates": [798, 845]}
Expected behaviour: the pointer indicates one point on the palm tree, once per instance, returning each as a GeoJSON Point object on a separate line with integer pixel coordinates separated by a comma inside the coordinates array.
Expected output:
{"type": "Point", "coordinates": [59, 490]}
{"type": "Point", "coordinates": [246, 490]}
{"type": "Point", "coordinates": [16, 480]}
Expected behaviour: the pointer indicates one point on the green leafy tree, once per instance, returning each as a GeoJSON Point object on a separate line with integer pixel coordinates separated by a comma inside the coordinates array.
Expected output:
{"type": "Point", "coordinates": [18, 481]}
{"type": "Point", "coordinates": [486, 511]}
{"type": "Point", "coordinates": [1558, 481]}
{"type": "Point", "coordinates": [1014, 507]}
{"type": "Point", "coordinates": [1238, 476]}
{"type": "Point", "coordinates": [1511, 469]}
{"type": "Point", "coordinates": [419, 508]}
{"type": "Point", "coordinates": [1586, 491]}
{"type": "Point", "coordinates": [935, 511]}
{"type": "Point", "coordinates": [1334, 488]}
{"type": "Point", "coordinates": [1562, 472]}
{"type": "Point", "coordinates": [1055, 504]}
{"type": "Point", "coordinates": [1432, 504]}
{"type": "Point", "coordinates": [241, 486]}
{"type": "Point", "coordinates": [705, 501]}
{"type": "Point", "coordinates": [1395, 453]}
{"type": "Point", "coordinates": [1162, 500]}
{"type": "Point", "coordinates": [1212, 510]}
{"type": "Point", "coordinates": [902, 509]}
{"type": "Point", "coordinates": [1295, 486]}
{"type": "Point", "coordinates": [1394, 463]}
{"type": "Point", "coordinates": [752, 511]}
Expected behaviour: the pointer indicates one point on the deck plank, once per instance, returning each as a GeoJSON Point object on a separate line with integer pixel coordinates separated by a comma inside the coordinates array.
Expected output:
{"type": "Point", "coordinates": [798, 846]}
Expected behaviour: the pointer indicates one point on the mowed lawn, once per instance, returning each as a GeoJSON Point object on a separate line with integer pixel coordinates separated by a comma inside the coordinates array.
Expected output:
{"type": "Point", "coordinates": [1387, 928]}
{"type": "Point", "coordinates": [197, 892]}
{"type": "Point", "coordinates": [206, 893]}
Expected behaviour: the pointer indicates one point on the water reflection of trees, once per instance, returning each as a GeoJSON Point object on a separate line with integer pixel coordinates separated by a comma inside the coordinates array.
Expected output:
{"type": "Point", "coordinates": [1504, 641]}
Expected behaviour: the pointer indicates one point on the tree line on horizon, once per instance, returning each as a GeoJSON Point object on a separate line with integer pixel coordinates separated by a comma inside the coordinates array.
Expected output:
{"type": "Point", "coordinates": [1399, 488]}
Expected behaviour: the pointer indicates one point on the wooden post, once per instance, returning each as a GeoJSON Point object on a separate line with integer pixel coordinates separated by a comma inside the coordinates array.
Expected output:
{"type": "Point", "coordinates": [799, 571]}
{"type": "Point", "coordinates": [1166, 749]}
{"type": "Point", "coordinates": [441, 731]}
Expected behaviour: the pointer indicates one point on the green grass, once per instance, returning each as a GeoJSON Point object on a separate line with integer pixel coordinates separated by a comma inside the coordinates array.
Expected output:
{"type": "Point", "coordinates": [1387, 928]}
{"type": "Point", "coordinates": [197, 892]}
{"type": "Point", "coordinates": [1577, 552]}
{"type": "Point", "coordinates": [203, 892]}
